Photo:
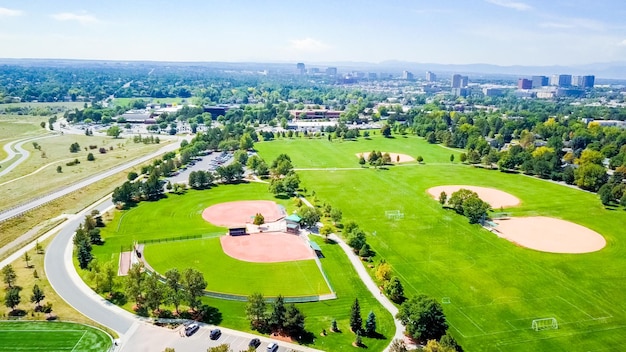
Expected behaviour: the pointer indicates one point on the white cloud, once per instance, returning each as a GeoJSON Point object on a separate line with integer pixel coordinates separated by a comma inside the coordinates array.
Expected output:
{"type": "Point", "coordinates": [622, 43]}
{"type": "Point", "coordinates": [519, 6]}
{"type": "Point", "coordinates": [308, 45]}
{"type": "Point", "coordinates": [575, 23]}
{"type": "Point", "coordinates": [5, 12]}
{"type": "Point", "coordinates": [82, 18]}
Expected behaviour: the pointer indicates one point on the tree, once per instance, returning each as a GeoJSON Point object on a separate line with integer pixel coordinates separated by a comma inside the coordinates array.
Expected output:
{"type": "Point", "coordinates": [8, 275]}
{"type": "Point", "coordinates": [475, 209]}
{"type": "Point", "coordinates": [84, 255]}
{"type": "Point", "coordinates": [259, 219]}
{"type": "Point", "coordinates": [336, 215]}
{"type": "Point", "coordinates": [193, 284]}
{"type": "Point", "coordinates": [605, 194]}
{"type": "Point", "coordinates": [114, 131]}
{"type": "Point", "coordinates": [310, 216]}
{"type": "Point", "coordinates": [256, 312]}
{"type": "Point", "coordinates": [59, 169]}
{"type": "Point", "coordinates": [395, 290]}
{"type": "Point", "coordinates": [90, 157]}
{"type": "Point", "coordinates": [37, 296]}
{"type": "Point", "coordinates": [221, 348]}
{"type": "Point", "coordinates": [385, 130]}
{"type": "Point", "coordinates": [434, 346]}
{"type": "Point", "coordinates": [74, 147]}
{"type": "Point", "coordinates": [325, 231]}
{"type": "Point", "coordinates": [443, 197]}
{"type": "Point", "coordinates": [246, 142]}
{"type": "Point", "coordinates": [27, 259]}
{"type": "Point", "coordinates": [420, 159]}
{"type": "Point", "coordinates": [333, 326]}
{"type": "Point", "coordinates": [12, 298]}
{"type": "Point", "coordinates": [134, 282]}
{"type": "Point", "coordinates": [370, 324]}
{"type": "Point", "coordinates": [361, 160]}
{"type": "Point", "coordinates": [463, 157]}
{"type": "Point", "coordinates": [423, 318]}
{"type": "Point", "coordinates": [154, 292]}
{"type": "Point", "coordinates": [358, 341]}
{"type": "Point", "coordinates": [173, 295]}
{"type": "Point", "coordinates": [356, 239]}
{"type": "Point", "coordinates": [383, 272]}
{"type": "Point", "coordinates": [356, 322]}
{"type": "Point", "coordinates": [451, 158]}
{"type": "Point", "coordinates": [294, 321]}
{"type": "Point", "coordinates": [448, 341]}
{"type": "Point", "coordinates": [398, 345]}
{"type": "Point", "coordinates": [277, 316]}
{"type": "Point", "coordinates": [590, 176]}
{"type": "Point", "coordinates": [38, 247]}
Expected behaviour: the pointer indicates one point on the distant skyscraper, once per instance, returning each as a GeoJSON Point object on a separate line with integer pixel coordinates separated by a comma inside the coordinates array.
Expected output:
{"type": "Point", "coordinates": [586, 81]}
{"type": "Point", "coordinates": [372, 75]}
{"type": "Point", "coordinates": [540, 81]}
{"type": "Point", "coordinates": [407, 75]}
{"type": "Point", "coordinates": [524, 83]}
{"type": "Point", "coordinates": [459, 81]}
{"type": "Point", "coordinates": [431, 77]}
{"type": "Point", "coordinates": [301, 68]}
{"type": "Point", "coordinates": [561, 80]}
{"type": "Point", "coordinates": [331, 71]}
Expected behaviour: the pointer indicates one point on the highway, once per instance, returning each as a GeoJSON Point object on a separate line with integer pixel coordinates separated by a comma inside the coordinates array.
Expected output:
{"type": "Point", "coordinates": [7, 214]}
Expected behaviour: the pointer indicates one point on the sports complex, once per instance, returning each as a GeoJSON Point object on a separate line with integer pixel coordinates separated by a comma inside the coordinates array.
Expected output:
{"type": "Point", "coordinates": [541, 275]}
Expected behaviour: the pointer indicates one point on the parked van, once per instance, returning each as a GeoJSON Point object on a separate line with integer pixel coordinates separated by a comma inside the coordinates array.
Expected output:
{"type": "Point", "coordinates": [272, 347]}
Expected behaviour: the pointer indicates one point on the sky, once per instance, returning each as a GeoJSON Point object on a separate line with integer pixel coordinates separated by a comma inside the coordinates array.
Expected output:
{"type": "Point", "coordinates": [501, 32]}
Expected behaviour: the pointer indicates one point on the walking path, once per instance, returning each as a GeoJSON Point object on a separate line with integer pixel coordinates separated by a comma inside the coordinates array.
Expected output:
{"type": "Point", "coordinates": [23, 153]}
{"type": "Point", "coordinates": [368, 281]}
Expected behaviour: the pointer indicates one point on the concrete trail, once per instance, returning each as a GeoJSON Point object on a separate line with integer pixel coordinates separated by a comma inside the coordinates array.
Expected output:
{"type": "Point", "coordinates": [23, 153]}
{"type": "Point", "coordinates": [368, 281]}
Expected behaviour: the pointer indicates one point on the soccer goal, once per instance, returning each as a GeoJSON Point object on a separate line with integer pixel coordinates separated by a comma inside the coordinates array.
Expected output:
{"type": "Point", "coordinates": [545, 324]}
{"type": "Point", "coordinates": [391, 214]}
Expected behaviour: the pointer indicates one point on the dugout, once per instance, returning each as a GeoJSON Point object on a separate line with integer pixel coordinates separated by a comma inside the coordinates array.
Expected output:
{"type": "Point", "coordinates": [293, 224]}
{"type": "Point", "coordinates": [237, 231]}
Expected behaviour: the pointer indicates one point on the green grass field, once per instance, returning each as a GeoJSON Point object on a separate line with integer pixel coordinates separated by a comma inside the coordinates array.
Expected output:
{"type": "Point", "coordinates": [228, 275]}
{"type": "Point", "coordinates": [495, 288]}
{"type": "Point", "coordinates": [126, 101]}
{"type": "Point", "coordinates": [51, 336]}
{"type": "Point", "coordinates": [181, 215]}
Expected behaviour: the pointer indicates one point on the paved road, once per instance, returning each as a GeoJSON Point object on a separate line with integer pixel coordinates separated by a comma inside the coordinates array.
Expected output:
{"type": "Point", "coordinates": [50, 197]}
{"type": "Point", "coordinates": [23, 153]}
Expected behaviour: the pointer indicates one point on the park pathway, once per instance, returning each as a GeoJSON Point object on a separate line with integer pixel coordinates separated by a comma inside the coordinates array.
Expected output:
{"type": "Point", "coordinates": [368, 281]}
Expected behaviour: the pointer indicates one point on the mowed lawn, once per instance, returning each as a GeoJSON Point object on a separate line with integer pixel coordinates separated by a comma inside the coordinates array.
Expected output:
{"type": "Point", "coordinates": [316, 153]}
{"type": "Point", "coordinates": [228, 275]}
{"type": "Point", "coordinates": [495, 288]}
{"type": "Point", "coordinates": [51, 336]}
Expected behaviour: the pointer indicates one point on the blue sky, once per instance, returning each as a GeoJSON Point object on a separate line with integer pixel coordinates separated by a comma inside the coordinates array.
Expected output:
{"type": "Point", "coordinates": [504, 32]}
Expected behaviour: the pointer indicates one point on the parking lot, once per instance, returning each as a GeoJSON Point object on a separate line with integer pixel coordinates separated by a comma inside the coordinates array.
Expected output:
{"type": "Point", "coordinates": [205, 163]}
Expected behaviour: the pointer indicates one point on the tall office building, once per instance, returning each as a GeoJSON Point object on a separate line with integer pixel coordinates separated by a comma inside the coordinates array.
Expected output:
{"type": "Point", "coordinates": [540, 81]}
{"type": "Point", "coordinates": [561, 80]}
{"type": "Point", "coordinates": [459, 81]}
{"type": "Point", "coordinates": [407, 75]}
{"type": "Point", "coordinates": [301, 68]}
{"type": "Point", "coordinates": [430, 76]}
{"type": "Point", "coordinates": [331, 71]}
{"type": "Point", "coordinates": [524, 83]}
{"type": "Point", "coordinates": [586, 81]}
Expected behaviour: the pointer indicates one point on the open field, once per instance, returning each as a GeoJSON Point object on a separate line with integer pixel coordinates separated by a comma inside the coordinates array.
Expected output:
{"type": "Point", "coordinates": [495, 288]}
{"type": "Point", "coordinates": [126, 101]}
{"type": "Point", "coordinates": [228, 275]}
{"type": "Point", "coordinates": [315, 153]}
{"type": "Point", "coordinates": [124, 227]}
{"type": "Point", "coordinates": [13, 127]}
{"type": "Point", "coordinates": [65, 105]}
{"type": "Point", "coordinates": [51, 336]}
{"type": "Point", "coordinates": [38, 174]}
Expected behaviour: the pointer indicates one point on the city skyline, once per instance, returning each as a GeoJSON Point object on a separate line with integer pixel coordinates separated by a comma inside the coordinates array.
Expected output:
{"type": "Point", "coordinates": [498, 32]}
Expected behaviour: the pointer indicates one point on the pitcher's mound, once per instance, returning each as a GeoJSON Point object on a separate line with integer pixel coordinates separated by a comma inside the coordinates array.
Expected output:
{"type": "Point", "coordinates": [268, 247]}
{"type": "Point", "coordinates": [550, 235]}
{"type": "Point", "coordinates": [495, 198]}
{"type": "Point", "coordinates": [232, 214]}
{"type": "Point", "coordinates": [395, 157]}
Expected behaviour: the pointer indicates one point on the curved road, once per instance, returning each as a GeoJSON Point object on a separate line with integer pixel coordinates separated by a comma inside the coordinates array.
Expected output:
{"type": "Point", "coordinates": [52, 196]}
{"type": "Point", "coordinates": [24, 154]}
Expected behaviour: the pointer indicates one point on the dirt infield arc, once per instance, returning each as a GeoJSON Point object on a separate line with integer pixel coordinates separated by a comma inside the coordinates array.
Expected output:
{"type": "Point", "coordinates": [395, 157]}
{"type": "Point", "coordinates": [268, 247]}
{"type": "Point", "coordinates": [494, 197]}
{"type": "Point", "coordinates": [233, 214]}
{"type": "Point", "coordinates": [550, 235]}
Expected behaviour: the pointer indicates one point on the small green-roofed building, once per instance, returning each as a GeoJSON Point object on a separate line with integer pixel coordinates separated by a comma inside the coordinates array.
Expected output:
{"type": "Point", "coordinates": [293, 224]}
{"type": "Point", "coordinates": [293, 218]}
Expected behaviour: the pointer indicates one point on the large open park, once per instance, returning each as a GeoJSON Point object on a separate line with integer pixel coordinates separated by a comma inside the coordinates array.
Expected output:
{"type": "Point", "coordinates": [492, 288]}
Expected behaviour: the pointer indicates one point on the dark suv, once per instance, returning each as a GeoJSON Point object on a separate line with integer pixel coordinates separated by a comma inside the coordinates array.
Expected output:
{"type": "Point", "coordinates": [215, 334]}
{"type": "Point", "coordinates": [254, 343]}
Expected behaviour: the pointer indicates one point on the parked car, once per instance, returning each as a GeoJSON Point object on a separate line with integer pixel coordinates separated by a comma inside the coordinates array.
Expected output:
{"type": "Point", "coordinates": [215, 334]}
{"type": "Point", "coordinates": [272, 347]}
{"type": "Point", "coordinates": [255, 342]}
{"type": "Point", "coordinates": [191, 329]}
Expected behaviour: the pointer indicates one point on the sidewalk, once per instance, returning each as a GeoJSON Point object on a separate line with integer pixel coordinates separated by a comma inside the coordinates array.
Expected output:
{"type": "Point", "coordinates": [367, 280]}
